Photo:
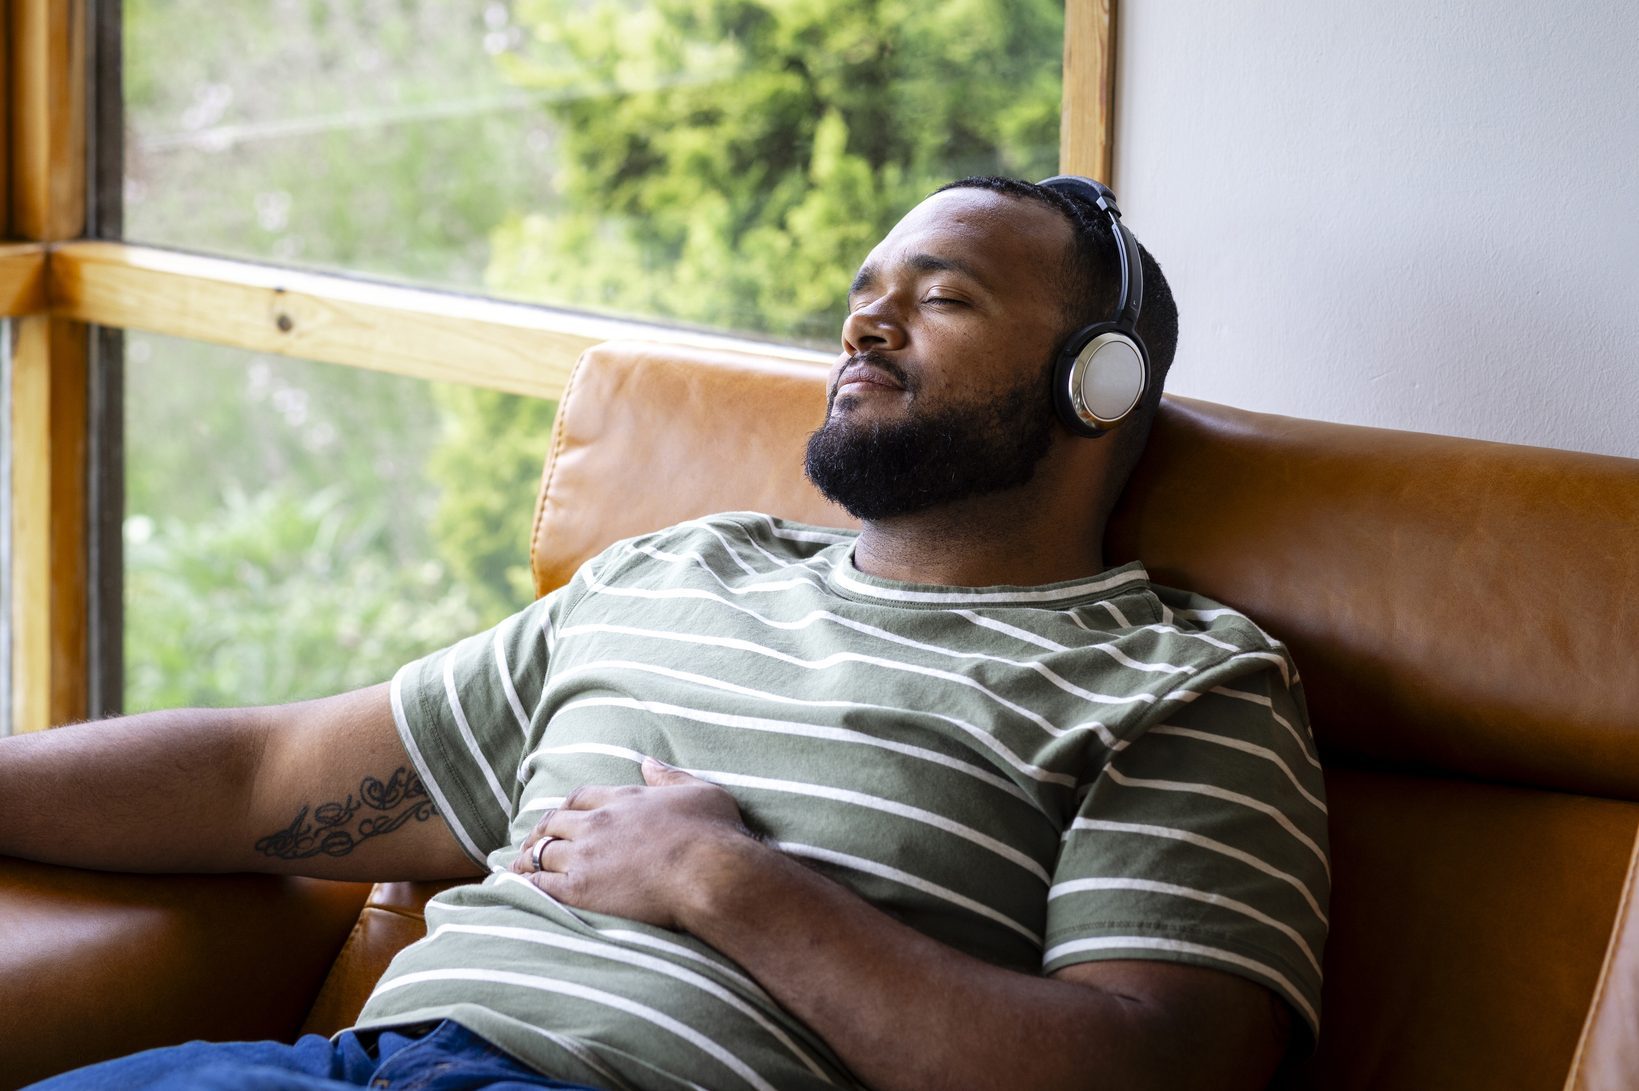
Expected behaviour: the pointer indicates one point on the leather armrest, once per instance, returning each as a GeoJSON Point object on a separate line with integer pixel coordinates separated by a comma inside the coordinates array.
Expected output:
{"type": "Point", "coordinates": [1608, 1055]}
{"type": "Point", "coordinates": [392, 919]}
{"type": "Point", "coordinates": [96, 965]}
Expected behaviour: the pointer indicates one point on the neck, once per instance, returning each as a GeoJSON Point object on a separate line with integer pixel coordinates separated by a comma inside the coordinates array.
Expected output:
{"type": "Point", "coordinates": [1015, 537]}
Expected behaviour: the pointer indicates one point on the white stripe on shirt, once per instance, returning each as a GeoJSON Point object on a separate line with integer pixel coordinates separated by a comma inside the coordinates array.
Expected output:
{"type": "Point", "coordinates": [1153, 943]}
{"type": "Point", "coordinates": [461, 726]}
{"type": "Point", "coordinates": [1227, 796]}
{"type": "Point", "coordinates": [444, 809]}
{"type": "Point", "coordinates": [1150, 886]}
{"type": "Point", "coordinates": [596, 996]}
{"type": "Point", "coordinates": [1144, 829]}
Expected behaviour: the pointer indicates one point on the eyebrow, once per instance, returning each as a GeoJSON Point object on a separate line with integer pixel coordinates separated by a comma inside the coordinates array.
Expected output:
{"type": "Point", "coordinates": [922, 263]}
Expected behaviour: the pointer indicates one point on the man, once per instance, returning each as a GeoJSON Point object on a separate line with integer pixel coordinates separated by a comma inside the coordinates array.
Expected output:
{"type": "Point", "coordinates": [946, 804]}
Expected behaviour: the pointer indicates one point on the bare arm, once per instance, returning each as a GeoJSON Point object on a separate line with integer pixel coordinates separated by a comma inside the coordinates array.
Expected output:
{"type": "Point", "coordinates": [320, 788]}
{"type": "Point", "coordinates": [906, 1012]}
{"type": "Point", "coordinates": [902, 1010]}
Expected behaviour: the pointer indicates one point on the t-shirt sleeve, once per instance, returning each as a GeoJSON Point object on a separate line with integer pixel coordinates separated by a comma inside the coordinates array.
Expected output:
{"type": "Point", "coordinates": [1203, 841]}
{"type": "Point", "coordinates": [464, 715]}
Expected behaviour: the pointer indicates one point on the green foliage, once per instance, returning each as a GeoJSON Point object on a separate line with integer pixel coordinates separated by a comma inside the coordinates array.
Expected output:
{"type": "Point", "coordinates": [278, 539]}
{"type": "Point", "coordinates": [489, 462]}
{"type": "Point", "coordinates": [296, 529]}
{"type": "Point", "coordinates": [729, 162]}
{"type": "Point", "coordinates": [367, 135]}
{"type": "Point", "coordinates": [361, 135]}
{"type": "Point", "coordinates": [276, 597]}
{"type": "Point", "coordinates": [204, 421]}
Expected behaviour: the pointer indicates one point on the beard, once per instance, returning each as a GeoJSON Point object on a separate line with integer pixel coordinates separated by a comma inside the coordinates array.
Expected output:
{"type": "Point", "coordinates": [880, 471]}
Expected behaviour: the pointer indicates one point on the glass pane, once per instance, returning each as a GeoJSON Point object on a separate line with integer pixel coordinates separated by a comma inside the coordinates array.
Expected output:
{"type": "Point", "coordinates": [716, 162]}
{"type": "Point", "coordinates": [295, 529]}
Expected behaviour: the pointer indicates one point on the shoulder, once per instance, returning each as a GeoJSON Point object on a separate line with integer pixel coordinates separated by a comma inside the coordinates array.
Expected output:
{"type": "Point", "coordinates": [1185, 644]}
{"type": "Point", "coordinates": [1227, 643]}
{"type": "Point", "coordinates": [785, 538]}
{"type": "Point", "coordinates": [1203, 838]}
{"type": "Point", "coordinates": [745, 543]}
{"type": "Point", "coordinates": [1194, 613]}
{"type": "Point", "coordinates": [1226, 702]}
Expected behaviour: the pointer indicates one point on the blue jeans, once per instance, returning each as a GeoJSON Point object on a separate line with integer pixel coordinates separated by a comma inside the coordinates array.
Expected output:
{"type": "Point", "coordinates": [446, 1058]}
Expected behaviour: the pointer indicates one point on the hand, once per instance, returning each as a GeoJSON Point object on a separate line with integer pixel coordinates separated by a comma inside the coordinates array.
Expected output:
{"type": "Point", "coordinates": [635, 852]}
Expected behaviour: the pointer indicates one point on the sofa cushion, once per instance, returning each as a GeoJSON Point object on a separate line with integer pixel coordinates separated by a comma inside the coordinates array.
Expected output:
{"type": "Point", "coordinates": [391, 920]}
{"type": "Point", "coordinates": [95, 965]}
{"type": "Point", "coordinates": [1453, 605]}
{"type": "Point", "coordinates": [649, 435]}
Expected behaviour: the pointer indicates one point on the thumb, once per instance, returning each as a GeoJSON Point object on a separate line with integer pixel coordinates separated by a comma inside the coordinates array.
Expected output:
{"type": "Point", "coordinates": [657, 773]}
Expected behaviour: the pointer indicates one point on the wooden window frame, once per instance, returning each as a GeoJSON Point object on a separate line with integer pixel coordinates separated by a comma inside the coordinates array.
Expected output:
{"type": "Point", "coordinates": [62, 288]}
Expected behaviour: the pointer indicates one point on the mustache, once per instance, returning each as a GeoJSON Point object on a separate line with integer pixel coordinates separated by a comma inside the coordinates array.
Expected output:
{"type": "Point", "coordinates": [875, 359]}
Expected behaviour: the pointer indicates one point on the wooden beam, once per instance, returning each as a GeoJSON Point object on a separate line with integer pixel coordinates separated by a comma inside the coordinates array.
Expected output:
{"type": "Point", "coordinates": [47, 74]}
{"type": "Point", "coordinates": [438, 336]}
{"type": "Point", "coordinates": [46, 85]}
{"type": "Point", "coordinates": [48, 450]}
{"type": "Point", "coordinates": [1087, 124]}
{"type": "Point", "coordinates": [7, 102]}
{"type": "Point", "coordinates": [22, 279]}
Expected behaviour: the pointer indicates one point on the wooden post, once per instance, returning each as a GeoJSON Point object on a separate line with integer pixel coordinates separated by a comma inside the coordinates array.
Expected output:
{"type": "Point", "coordinates": [6, 103]}
{"type": "Point", "coordinates": [48, 523]}
{"type": "Point", "coordinates": [47, 72]}
{"type": "Point", "coordinates": [1087, 125]}
{"type": "Point", "coordinates": [46, 82]}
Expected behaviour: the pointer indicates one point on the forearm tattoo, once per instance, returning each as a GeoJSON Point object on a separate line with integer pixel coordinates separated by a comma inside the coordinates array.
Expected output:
{"type": "Point", "coordinates": [336, 829]}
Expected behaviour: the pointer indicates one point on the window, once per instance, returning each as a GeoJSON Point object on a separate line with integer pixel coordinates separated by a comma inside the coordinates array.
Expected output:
{"type": "Point", "coordinates": [712, 169]}
{"type": "Point", "coordinates": [719, 164]}
{"type": "Point", "coordinates": [296, 529]}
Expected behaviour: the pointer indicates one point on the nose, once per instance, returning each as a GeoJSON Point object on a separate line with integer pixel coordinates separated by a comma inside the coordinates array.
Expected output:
{"type": "Point", "coordinates": [873, 325]}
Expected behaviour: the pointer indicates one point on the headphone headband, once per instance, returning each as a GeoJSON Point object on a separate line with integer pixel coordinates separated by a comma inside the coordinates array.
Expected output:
{"type": "Point", "coordinates": [1097, 194]}
{"type": "Point", "coordinates": [1102, 371]}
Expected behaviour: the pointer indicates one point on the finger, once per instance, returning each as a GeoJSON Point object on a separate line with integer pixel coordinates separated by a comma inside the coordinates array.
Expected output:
{"type": "Point", "coordinates": [556, 884]}
{"type": "Point", "coordinates": [551, 858]}
{"type": "Point", "coordinates": [537, 854]}
{"type": "Point", "coordinates": [524, 862]}
{"type": "Point", "coordinates": [561, 824]}
{"type": "Point", "coordinates": [592, 796]}
{"type": "Point", "coordinates": [657, 773]}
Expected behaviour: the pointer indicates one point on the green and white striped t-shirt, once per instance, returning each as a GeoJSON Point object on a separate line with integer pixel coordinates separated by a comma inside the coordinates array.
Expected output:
{"type": "Point", "coordinates": [1038, 776]}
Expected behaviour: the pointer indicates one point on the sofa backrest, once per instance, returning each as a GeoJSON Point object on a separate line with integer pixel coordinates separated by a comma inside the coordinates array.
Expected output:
{"type": "Point", "coordinates": [648, 435]}
{"type": "Point", "coordinates": [1465, 616]}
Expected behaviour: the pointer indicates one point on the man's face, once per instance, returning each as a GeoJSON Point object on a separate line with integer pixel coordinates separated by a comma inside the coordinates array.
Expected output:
{"type": "Point", "coordinates": [941, 389]}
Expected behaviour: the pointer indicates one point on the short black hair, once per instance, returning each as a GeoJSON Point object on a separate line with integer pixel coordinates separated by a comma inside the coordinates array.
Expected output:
{"type": "Point", "coordinates": [1091, 280]}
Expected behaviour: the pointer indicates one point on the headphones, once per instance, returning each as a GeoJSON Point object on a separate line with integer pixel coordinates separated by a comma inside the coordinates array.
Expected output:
{"type": "Point", "coordinates": [1103, 369]}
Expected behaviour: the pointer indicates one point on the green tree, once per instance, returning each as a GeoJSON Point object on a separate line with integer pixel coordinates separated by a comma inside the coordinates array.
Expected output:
{"type": "Point", "coordinates": [728, 162]}
{"type": "Point", "coordinates": [489, 463]}
{"type": "Point", "coordinates": [278, 596]}
{"type": "Point", "coordinates": [374, 136]}
{"type": "Point", "coordinates": [295, 527]}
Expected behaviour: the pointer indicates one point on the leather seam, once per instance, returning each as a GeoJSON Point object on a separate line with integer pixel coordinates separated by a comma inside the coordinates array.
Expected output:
{"type": "Point", "coordinates": [407, 914]}
{"type": "Point", "coordinates": [324, 986]}
{"type": "Point", "coordinates": [560, 431]}
{"type": "Point", "coordinates": [1622, 906]}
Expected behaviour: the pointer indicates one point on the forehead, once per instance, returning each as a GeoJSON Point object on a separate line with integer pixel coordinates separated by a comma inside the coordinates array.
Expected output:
{"type": "Point", "coordinates": [1006, 241]}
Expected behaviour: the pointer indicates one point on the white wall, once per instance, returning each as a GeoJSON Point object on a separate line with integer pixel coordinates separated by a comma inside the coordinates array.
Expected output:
{"type": "Point", "coordinates": [1417, 214]}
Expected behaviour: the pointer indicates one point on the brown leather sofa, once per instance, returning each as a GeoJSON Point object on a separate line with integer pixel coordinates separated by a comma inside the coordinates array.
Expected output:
{"type": "Point", "coordinates": [1465, 615]}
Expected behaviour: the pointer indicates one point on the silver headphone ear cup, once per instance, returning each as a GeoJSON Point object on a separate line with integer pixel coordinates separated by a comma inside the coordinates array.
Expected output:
{"type": "Point", "coordinates": [1101, 372]}
{"type": "Point", "coordinates": [1107, 380]}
